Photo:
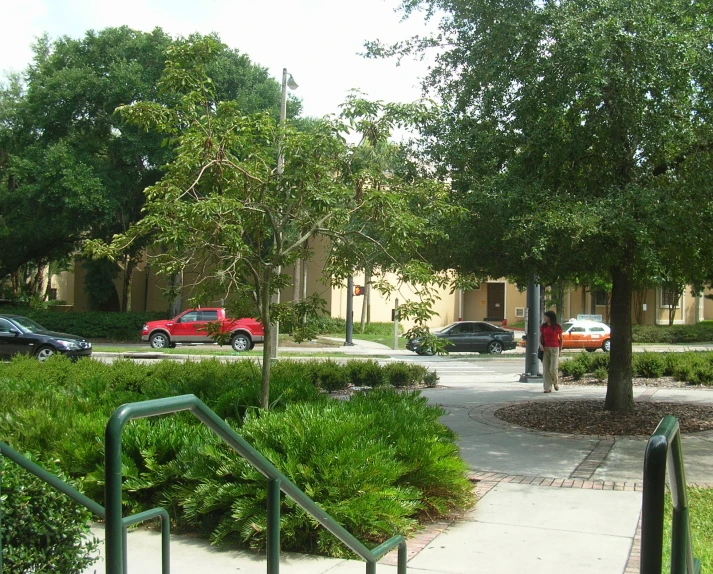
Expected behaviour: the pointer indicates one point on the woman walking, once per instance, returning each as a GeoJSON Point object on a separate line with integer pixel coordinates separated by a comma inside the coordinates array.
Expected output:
{"type": "Point", "coordinates": [550, 345]}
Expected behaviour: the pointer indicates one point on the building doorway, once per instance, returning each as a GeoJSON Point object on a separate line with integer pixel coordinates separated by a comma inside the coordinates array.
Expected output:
{"type": "Point", "coordinates": [496, 302]}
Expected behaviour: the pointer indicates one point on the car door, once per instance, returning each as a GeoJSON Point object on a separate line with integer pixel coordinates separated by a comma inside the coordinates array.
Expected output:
{"type": "Point", "coordinates": [480, 337]}
{"type": "Point", "coordinates": [575, 337]}
{"type": "Point", "coordinates": [185, 328]}
{"type": "Point", "coordinates": [9, 344]}
{"type": "Point", "coordinates": [209, 316]}
{"type": "Point", "coordinates": [458, 336]}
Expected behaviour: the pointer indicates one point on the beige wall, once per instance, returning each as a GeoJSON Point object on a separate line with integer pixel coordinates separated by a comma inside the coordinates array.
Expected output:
{"type": "Point", "coordinates": [469, 305]}
{"type": "Point", "coordinates": [445, 308]}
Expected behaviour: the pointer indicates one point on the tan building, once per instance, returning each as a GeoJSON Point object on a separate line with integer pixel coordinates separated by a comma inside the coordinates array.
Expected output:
{"type": "Point", "coordinates": [496, 301]}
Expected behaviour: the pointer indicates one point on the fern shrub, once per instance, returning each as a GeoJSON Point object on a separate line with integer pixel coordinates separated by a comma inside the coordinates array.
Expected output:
{"type": "Point", "coordinates": [376, 464]}
{"type": "Point", "coordinates": [379, 463]}
{"type": "Point", "coordinates": [42, 529]}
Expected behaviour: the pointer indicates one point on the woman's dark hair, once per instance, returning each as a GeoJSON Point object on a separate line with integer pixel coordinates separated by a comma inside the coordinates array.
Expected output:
{"type": "Point", "coordinates": [552, 316]}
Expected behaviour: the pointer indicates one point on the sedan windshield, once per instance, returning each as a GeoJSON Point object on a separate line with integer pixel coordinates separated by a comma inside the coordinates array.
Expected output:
{"type": "Point", "coordinates": [29, 326]}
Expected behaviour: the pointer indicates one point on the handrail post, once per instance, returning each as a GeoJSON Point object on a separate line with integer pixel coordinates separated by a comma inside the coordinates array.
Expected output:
{"type": "Point", "coordinates": [665, 446]}
{"type": "Point", "coordinates": [652, 511]}
{"type": "Point", "coordinates": [115, 532]}
{"type": "Point", "coordinates": [403, 558]}
{"type": "Point", "coordinates": [165, 545]}
{"type": "Point", "coordinates": [273, 526]}
{"type": "Point", "coordinates": [2, 467]}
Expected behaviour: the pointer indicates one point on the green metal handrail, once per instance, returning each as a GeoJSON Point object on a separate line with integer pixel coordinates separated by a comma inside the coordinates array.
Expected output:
{"type": "Point", "coordinates": [92, 506]}
{"type": "Point", "coordinates": [277, 483]}
{"type": "Point", "coordinates": [665, 446]}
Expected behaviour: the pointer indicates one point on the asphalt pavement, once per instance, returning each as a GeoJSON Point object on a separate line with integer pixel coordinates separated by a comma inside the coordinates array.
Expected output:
{"type": "Point", "coordinates": [548, 503]}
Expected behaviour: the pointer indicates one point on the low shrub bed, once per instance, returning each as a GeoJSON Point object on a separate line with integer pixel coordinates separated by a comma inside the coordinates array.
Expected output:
{"type": "Point", "coordinates": [42, 530]}
{"type": "Point", "coordinates": [698, 333]}
{"type": "Point", "coordinates": [380, 463]}
{"type": "Point", "coordinates": [695, 367]}
{"type": "Point", "coordinates": [115, 327]}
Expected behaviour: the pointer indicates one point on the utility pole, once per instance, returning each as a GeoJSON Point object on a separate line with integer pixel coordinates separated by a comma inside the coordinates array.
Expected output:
{"type": "Point", "coordinates": [532, 363]}
{"type": "Point", "coordinates": [286, 82]}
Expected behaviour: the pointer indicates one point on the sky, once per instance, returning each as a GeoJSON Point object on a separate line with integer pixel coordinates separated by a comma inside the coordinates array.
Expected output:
{"type": "Point", "coordinates": [318, 41]}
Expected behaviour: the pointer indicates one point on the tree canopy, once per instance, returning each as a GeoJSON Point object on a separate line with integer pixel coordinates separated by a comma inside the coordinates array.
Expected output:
{"type": "Point", "coordinates": [578, 136]}
{"type": "Point", "coordinates": [227, 215]}
{"type": "Point", "coordinates": [70, 167]}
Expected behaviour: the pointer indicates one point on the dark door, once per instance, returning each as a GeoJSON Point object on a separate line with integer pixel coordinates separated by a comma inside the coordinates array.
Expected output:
{"type": "Point", "coordinates": [496, 302]}
{"type": "Point", "coordinates": [459, 335]}
{"type": "Point", "coordinates": [482, 336]}
{"type": "Point", "coordinates": [10, 343]}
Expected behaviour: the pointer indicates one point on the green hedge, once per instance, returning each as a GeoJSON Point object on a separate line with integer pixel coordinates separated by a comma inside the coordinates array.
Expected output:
{"type": "Point", "coordinates": [699, 333]}
{"type": "Point", "coordinates": [42, 529]}
{"type": "Point", "coordinates": [694, 367]}
{"type": "Point", "coordinates": [325, 325]}
{"type": "Point", "coordinates": [380, 462]}
{"type": "Point", "coordinates": [119, 327]}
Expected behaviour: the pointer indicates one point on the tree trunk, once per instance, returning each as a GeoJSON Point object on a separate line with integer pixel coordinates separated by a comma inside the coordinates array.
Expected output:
{"type": "Point", "coordinates": [176, 286]}
{"type": "Point", "coordinates": [620, 392]}
{"type": "Point", "coordinates": [267, 351]}
{"type": "Point", "coordinates": [365, 302]}
{"type": "Point", "coordinates": [129, 267]}
{"type": "Point", "coordinates": [297, 281]}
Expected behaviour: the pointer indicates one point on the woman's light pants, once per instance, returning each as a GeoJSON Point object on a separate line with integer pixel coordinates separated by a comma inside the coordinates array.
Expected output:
{"type": "Point", "coordinates": [550, 367]}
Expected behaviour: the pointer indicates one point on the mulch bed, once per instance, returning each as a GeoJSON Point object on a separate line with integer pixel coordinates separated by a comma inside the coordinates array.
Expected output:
{"type": "Point", "coordinates": [588, 417]}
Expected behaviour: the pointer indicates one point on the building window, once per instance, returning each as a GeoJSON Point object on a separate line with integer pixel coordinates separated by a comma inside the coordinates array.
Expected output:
{"type": "Point", "coordinates": [668, 298]}
{"type": "Point", "coordinates": [601, 298]}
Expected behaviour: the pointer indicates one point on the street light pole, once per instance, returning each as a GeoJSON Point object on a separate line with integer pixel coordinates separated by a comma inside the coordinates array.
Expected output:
{"type": "Point", "coordinates": [287, 82]}
{"type": "Point", "coordinates": [532, 363]}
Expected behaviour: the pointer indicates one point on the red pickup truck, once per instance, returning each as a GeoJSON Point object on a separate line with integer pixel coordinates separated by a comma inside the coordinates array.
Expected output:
{"type": "Point", "coordinates": [189, 327]}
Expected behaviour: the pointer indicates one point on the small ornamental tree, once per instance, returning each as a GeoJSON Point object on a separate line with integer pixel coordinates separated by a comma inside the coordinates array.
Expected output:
{"type": "Point", "coordinates": [224, 212]}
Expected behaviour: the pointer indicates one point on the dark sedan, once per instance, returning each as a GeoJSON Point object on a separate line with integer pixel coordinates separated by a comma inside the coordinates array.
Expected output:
{"type": "Point", "coordinates": [22, 335]}
{"type": "Point", "coordinates": [473, 336]}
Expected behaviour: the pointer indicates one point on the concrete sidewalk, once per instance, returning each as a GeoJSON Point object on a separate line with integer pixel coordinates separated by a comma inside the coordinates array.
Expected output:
{"type": "Point", "coordinates": [548, 503]}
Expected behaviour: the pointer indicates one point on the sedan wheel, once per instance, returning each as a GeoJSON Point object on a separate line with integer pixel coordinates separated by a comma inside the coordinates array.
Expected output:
{"type": "Point", "coordinates": [44, 353]}
{"type": "Point", "coordinates": [495, 347]}
{"type": "Point", "coordinates": [159, 341]}
{"type": "Point", "coordinates": [430, 352]}
{"type": "Point", "coordinates": [240, 343]}
{"type": "Point", "coordinates": [606, 347]}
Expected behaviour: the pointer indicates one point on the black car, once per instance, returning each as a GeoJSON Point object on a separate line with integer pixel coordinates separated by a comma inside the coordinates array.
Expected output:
{"type": "Point", "coordinates": [22, 335]}
{"type": "Point", "coordinates": [474, 336]}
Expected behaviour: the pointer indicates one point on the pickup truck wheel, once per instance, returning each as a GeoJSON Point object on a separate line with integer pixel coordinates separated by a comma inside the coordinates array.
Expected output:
{"type": "Point", "coordinates": [241, 343]}
{"type": "Point", "coordinates": [159, 341]}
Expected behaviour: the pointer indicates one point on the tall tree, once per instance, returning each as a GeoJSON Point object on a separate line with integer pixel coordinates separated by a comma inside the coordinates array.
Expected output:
{"type": "Point", "coordinates": [65, 151]}
{"type": "Point", "coordinates": [578, 134]}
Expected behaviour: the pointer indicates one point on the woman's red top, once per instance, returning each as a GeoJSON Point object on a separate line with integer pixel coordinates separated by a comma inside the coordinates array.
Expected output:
{"type": "Point", "coordinates": [550, 336]}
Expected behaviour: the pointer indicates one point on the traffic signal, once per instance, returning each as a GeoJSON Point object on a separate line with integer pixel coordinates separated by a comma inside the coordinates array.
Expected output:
{"type": "Point", "coordinates": [358, 290]}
